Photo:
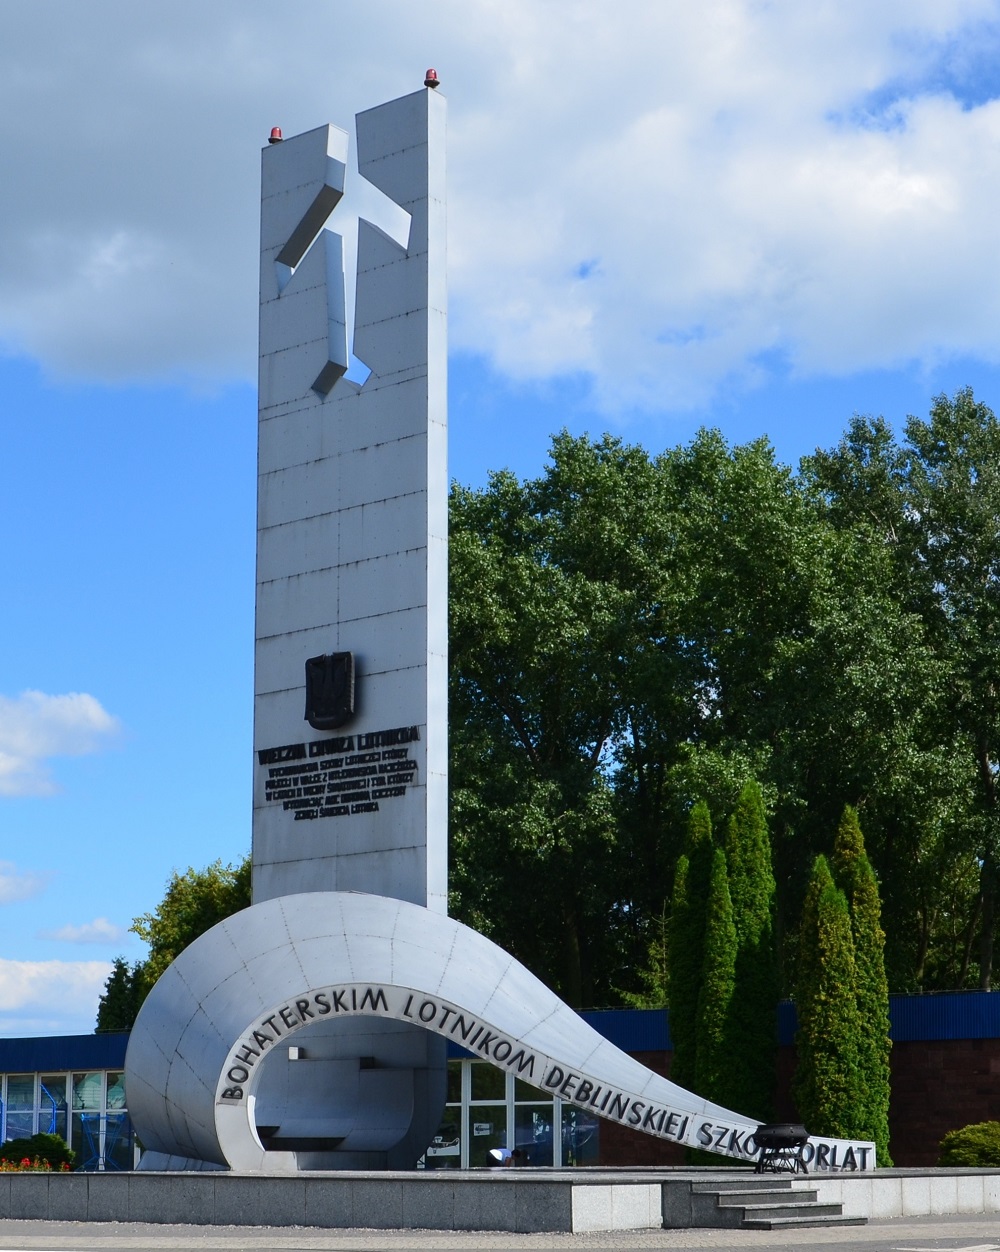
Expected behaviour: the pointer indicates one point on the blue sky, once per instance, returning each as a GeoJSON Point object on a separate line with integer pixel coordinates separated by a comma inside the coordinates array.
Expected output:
{"type": "Point", "coordinates": [759, 217]}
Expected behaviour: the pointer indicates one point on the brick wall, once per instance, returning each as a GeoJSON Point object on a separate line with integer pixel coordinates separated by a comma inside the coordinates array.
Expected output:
{"type": "Point", "coordinates": [621, 1145]}
{"type": "Point", "coordinates": [937, 1086]}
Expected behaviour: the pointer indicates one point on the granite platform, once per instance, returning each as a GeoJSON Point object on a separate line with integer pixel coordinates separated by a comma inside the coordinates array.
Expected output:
{"type": "Point", "coordinates": [523, 1201]}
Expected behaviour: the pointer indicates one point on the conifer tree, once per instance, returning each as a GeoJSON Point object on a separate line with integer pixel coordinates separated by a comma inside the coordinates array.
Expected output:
{"type": "Point", "coordinates": [828, 1087]}
{"type": "Point", "coordinates": [856, 878]}
{"type": "Point", "coordinates": [753, 1017]}
{"type": "Point", "coordinates": [687, 942]}
{"type": "Point", "coordinates": [655, 976]}
{"type": "Point", "coordinates": [714, 1060]}
{"type": "Point", "coordinates": [123, 995]}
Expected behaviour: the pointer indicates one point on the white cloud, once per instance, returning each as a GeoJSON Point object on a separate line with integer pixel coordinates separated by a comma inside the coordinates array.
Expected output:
{"type": "Point", "coordinates": [732, 214]}
{"type": "Point", "coordinates": [666, 198]}
{"type": "Point", "coordinates": [35, 727]}
{"type": "Point", "coordinates": [50, 997]}
{"type": "Point", "coordinates": [100, 930]}
{"type": "Point", "coordinates": [20, 884]}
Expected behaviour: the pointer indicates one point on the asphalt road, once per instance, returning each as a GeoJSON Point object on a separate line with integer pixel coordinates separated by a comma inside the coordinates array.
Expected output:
{"type": "Point", "coordinates": [902, 1235]}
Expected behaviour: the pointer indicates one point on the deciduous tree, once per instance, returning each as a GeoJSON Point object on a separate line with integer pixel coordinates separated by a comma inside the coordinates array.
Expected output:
{"type": "Point", "coordinates": [194, 901]}
{"type": "Point", "coordinates": [932, 505]}
{"type": "Point", "coordinates": [550, 588]}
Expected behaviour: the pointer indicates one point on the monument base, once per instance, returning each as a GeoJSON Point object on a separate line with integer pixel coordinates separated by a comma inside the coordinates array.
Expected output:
{"type": "Point", "coordinates": [522, 1201]}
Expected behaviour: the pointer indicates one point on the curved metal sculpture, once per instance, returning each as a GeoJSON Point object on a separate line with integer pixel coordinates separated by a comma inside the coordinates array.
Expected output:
{"type": "Point", "coordinates": [219, 1067]}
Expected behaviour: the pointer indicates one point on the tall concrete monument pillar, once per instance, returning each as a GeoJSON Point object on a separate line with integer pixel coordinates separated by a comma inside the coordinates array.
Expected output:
{"type": "Point", "coordinates": [352, 521]}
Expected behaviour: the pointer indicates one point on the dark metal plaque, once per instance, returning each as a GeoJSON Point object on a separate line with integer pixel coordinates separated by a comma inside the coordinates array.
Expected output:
{"type": "Point", "coordinates": [330, 690]}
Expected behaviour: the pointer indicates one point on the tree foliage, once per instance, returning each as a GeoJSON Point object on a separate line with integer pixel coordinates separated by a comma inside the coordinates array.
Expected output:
{"type": "Point", "coordinates": [716, 1046]}
{"type": "Point", "coordinates": [654, 975]}
{"type": "Point", "coordinates": [753, 1012]}
{"type": "Point", "coordinates": [631, 632]}
{"type": "Point", "coordinates": [931, 504]}
{"type": "Point", "coordinates": [687, 943]}
{"type": "Point", "coordinates": [972, 1146]}
{"type": "Point", "coordinates": [193, 903]}
{"type": "Point", "coordinates": [855, 877]}
{"type": "Point", "coordinates": [123, 995]}
{"type": "Point", "coordinates": [829, 1089]}
{"type": "Point", "coordinates": [549, 585]}
{"type": "Point", "coordinates": [842, 998]}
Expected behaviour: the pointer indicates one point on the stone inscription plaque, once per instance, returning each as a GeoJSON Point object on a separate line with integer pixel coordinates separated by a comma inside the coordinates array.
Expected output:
{"type": "Point", "coordinates": [342, 776]}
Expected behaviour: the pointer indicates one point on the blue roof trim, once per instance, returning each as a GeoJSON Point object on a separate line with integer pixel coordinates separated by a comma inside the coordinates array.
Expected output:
{"type": "Point", "coordinates": [945, 1015]}
{"type": "Point", "coordinates": [632, 1030]}
{"type": "Point", "coordinates": [63, 1052]}
{"type": "Point", "coordinates": [913, 1019]}
{"type": "Point", "coordinates": [924, 1019]}
{"type": "Point", "coordinates": [628, 1029]}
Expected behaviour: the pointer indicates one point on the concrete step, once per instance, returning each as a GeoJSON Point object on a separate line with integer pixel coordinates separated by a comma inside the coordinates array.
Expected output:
{"type": "Point", "coordinates": [751, 1183]}
{"type": "Point", "coordinates": [772, 1206]}
{"type": "Point", "coordinates": [800, 1223]}
{"type": "Point", "coordinates": [807, 1195]}
{"type": "Point", "coordinates": [761, 1212]}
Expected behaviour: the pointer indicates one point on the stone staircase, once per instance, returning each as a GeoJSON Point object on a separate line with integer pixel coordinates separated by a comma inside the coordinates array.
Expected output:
{"type": "Point", "coordinates": [763, 1204]}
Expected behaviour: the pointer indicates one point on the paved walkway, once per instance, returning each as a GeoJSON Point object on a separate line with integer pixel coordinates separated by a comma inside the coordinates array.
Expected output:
{"type": "Point", "coordinates": [903, 1235]}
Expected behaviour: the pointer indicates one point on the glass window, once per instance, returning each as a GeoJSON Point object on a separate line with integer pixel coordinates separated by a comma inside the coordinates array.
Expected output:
{"type": "Point", "coordinates": [580, 1136]}
{"type": "Point", "coordinates": [86, 1140]}
{"type": "Point", "coordinates": [445, 1149]}
{"type": "Point", "coordinates": [541, 1128]}
{"type": "Point", "coordinates": [20, 1106]}
{"type": "Point", "coordinates": [88, 1091]}
{"type": "Point", "coordinates": [116, 1091]}
{"type": "Point", "coordinates": [20, 1125]}
{"type": "Point", "coordinates": [118, 1141]}
{"type": "Point", "coordinates": [52, 1104]}
{"type": "Point", "coordinates": [525, 1091]}
{"type": "Point", "coordinates": [488, 1082]}
{"type": "Point", "coordinates": [533, 1134]}
{"type": "Point", "coordinates": [487, 1128]}
{"type": "Point", "coordinates": [21, 1091]}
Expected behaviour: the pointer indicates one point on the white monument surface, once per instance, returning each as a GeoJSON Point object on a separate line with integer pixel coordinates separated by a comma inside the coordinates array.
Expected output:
{"type": "Point", "coordinates": [347, 945]}
{"type": "Point", "coordinates": [352, 518]}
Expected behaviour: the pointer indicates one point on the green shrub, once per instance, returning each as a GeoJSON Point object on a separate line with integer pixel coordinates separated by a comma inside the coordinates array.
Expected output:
{"type": "Point", "coordinates": [978, 1144]}
{"type": "Point", "coordinates": [50, 1148]}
